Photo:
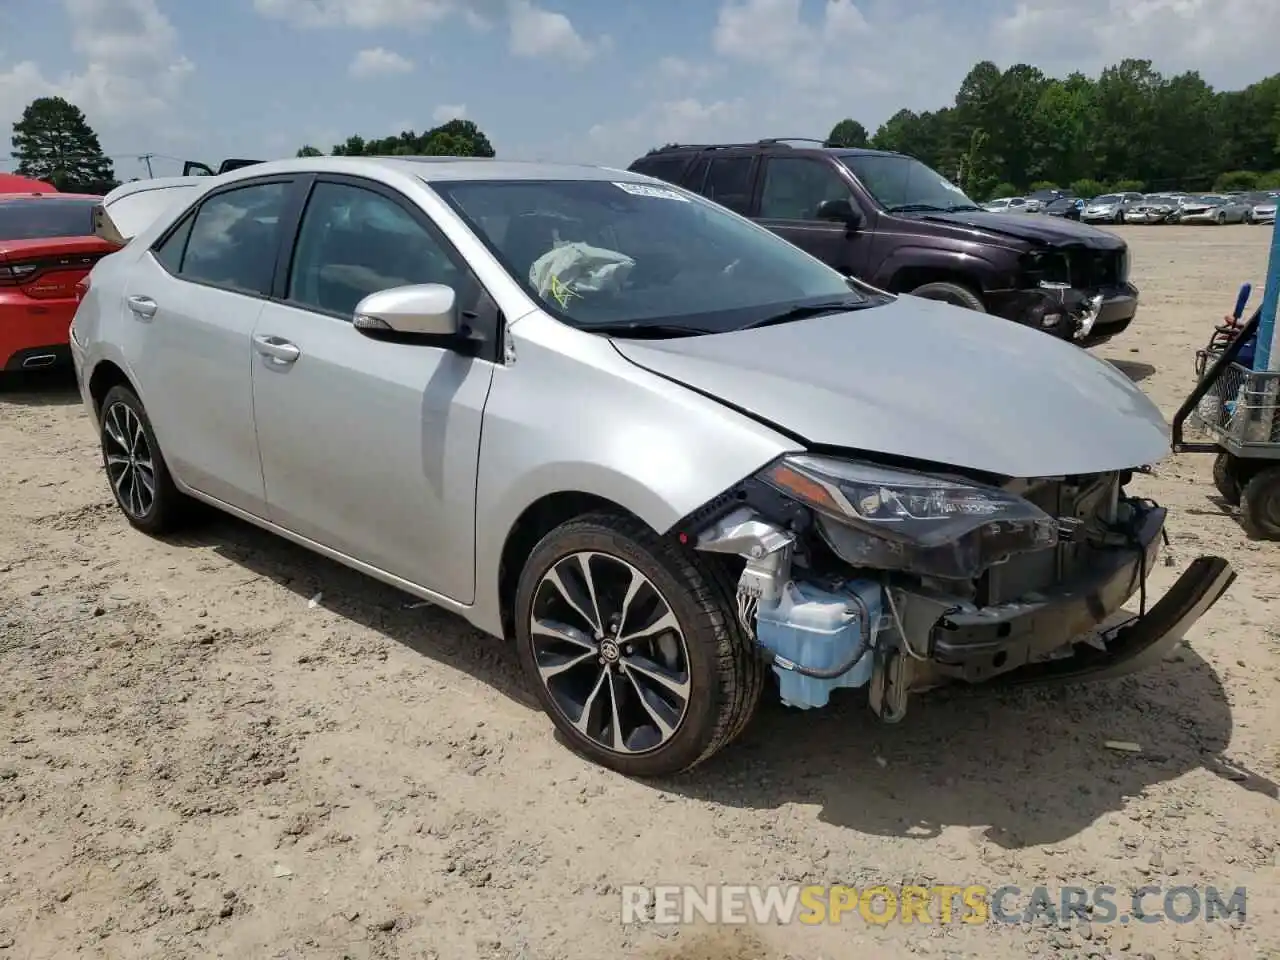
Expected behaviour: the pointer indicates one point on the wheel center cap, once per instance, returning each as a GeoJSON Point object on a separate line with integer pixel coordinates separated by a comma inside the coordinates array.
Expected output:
{"type": "Point", "coordinates": [609, 651]}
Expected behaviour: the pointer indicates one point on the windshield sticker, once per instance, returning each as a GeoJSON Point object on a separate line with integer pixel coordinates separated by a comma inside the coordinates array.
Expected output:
{"type": "Point", "coordinates": [562, 291]}
{"type": "Point", "coordinates": [644, 190]}
{"type": "Point", "coordinates": [948, 185]}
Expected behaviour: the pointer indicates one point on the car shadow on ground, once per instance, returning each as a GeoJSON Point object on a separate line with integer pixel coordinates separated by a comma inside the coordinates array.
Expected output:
{"type": "Point", "coordinates": [40, 388]}
{"type": "Point", "coordinates": [1135, 370]}
{"type": "Point", "coordinates": [1027, 765]}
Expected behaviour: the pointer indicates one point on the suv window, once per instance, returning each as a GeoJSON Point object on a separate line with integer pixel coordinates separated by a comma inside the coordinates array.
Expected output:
{"type": "Point", "coordinates": [729, 182]}
{"type": "Point", "coordinates": [794, 187]}
{"type": "Point", "coordinates": [664, 168]}
{"type": "Point", "coordinates": [695, 176]}
{"type": "Point", "coordinates": [354, 242]}
{"type": "Point", "coordinates": [235, 238]}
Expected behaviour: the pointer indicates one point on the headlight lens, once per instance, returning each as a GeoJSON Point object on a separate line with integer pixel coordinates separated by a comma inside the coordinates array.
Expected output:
{"type": "Point", "coordinates": [889, 519]}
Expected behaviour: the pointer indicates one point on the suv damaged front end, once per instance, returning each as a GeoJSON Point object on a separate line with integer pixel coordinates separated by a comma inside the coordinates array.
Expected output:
{"type": "Point", "coordinates": [1076, 292]}
{"type": "Point", "coordinates": [857, 574]}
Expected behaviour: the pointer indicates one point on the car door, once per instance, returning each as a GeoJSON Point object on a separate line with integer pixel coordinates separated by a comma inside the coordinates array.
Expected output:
{"type": "Point", "coordinates": [369, 447]}
{"type": "Point", "coordinates": [790, 192]}
{"type": "Point", "coordinates": [196, 296]}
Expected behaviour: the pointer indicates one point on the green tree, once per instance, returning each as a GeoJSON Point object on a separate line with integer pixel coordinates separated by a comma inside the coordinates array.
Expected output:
{"type": "Point", "coordinates": [457, 138]}
{"type": "Point", "coordinates": [54, 142]}
{"type": "Point", "coordinates": [309, 151]}
{"type": "Point", "coordinates": [848, 133]}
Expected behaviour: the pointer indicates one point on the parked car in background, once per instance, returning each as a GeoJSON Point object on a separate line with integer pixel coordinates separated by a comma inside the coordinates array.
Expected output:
{"type": "Point", "coordinates": [1042, 198]}
{"type": "Point", "coordinates": [1069, 208]}
{"type": "Point", "coordinates": [663, 451]}
{"type": "Point", "coordinates": [1109, 208]}
{"type": "Point", "coordinates": [1151, 209]}
{"type": "Point", "coordinates": [48, 243]}
{"type": "Point", "coordinates": [1214, 208]}
{"type": "Point", "coordinates": [135, 205]}
{"type": "Point", "coordinates": [1264, 211]}
{"type": "Point", "coordinates": [893, 221]}
{"type": "Point", "coordinates": [1006, 205]}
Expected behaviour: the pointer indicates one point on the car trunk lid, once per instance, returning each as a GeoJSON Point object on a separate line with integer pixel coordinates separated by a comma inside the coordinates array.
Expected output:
{"type": "Point", "coordinates": [50, 267]}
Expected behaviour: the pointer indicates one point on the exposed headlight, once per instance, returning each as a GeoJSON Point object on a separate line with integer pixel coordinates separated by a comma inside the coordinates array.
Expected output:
{"type": "Point", "coordinates": [887, 519]}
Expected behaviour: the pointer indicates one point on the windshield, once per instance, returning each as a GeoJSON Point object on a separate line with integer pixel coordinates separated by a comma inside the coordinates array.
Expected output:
{"type": "Point", "coordinates": [904, 184]}
{"type": "Point", "coordinates": [40, 218]}
{"type": "Point", "coordinates": [596, 252]}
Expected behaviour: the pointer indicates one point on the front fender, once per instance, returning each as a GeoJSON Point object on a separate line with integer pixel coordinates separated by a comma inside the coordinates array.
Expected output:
{"type": "Point", "coordinates": [572, 415]}
{"type": "Point", "coordinates": [918, 258]}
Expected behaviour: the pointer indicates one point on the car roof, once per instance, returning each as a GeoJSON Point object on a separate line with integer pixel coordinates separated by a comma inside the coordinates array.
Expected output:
{"type": "Point", "coordinates": [432, 169]}
{"type": "Point", "coordinates": [50, 196]}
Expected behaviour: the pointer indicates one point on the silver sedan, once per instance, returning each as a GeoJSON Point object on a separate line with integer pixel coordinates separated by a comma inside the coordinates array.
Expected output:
{"type": "Point", "coordinates": [1215, 209]}
{"type": "Point", "coordinates": [668, 454]}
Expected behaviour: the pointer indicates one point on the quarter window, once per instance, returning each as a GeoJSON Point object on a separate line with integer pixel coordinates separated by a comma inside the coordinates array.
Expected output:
{"type": "Point", "coordinates": [354, 242]}
{"type": "Point", "coordinates": [235, 238]}
{"type": "Point", "coordinates": [170, 252]}
{"type": "Point", "coordinates": [794, 188]}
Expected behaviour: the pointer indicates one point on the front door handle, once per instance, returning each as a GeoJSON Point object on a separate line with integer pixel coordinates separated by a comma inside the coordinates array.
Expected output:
{"type": "Point", "coordinates": [276, 349]}
{"type": "Point", "coordinates": [143, 307]}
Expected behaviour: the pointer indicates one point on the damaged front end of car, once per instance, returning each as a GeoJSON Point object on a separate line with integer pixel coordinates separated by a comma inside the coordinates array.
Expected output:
{"type": "Point", "coordinates": [857, 574]}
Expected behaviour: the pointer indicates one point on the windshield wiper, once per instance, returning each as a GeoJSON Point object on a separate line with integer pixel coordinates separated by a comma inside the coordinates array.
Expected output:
{"type": "Point", "coordinates": [915, 208]}
{"type": "Point", "coordinates": [809, 310]}
{"type": "Point", "coordinates": [959, 207]}
{"type": "Point", "coordinates": [641, 330]}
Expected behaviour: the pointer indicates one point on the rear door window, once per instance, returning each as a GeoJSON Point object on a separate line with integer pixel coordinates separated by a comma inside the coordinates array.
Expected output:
{"type": "Point", "coordinates": [729, 182]}
{"type": "Point", "coordinates": [235, 238]}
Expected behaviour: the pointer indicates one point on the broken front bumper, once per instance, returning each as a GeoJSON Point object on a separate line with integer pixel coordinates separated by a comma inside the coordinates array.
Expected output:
{"type": "Point", "coordinates": [1065, 634]}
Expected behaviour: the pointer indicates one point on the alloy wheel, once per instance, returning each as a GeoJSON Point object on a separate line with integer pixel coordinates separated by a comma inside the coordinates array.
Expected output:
{"type": "Point", "coordinates": [130, 464]}
{"type": "Point", "coordinates": [610, 652]}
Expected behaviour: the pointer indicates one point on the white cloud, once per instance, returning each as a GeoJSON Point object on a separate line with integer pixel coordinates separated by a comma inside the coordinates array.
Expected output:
{"type": "Point", "coordinates": [673, 121]}
{"type": "Point", "coordinates": [363, 14]}
{"type": "Point", "coordinates": [449, 111]}
{"type": "Point", "coordinates": [132, 71]}
{"type": "Point", "coordinates": [543, 34]}
{"type": "Point", "coordinates": [378, 62]}
{"type": "Point", "coordinates": [534, 31]}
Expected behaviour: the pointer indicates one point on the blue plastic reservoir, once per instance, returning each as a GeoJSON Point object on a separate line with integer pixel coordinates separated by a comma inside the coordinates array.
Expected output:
{"type": "Point", "coordinates": [820, 629]}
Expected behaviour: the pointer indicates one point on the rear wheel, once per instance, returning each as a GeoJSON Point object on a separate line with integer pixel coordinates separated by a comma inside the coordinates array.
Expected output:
{"type": "Point", "coordinates": [632, 647]}
{"type": "Point", "coordinates": [1221, 219]}
{"type": "Point", "coordinates": [136, 470]}
{"type": "Point", "coordinates": [1260, 504]}
{"type": "Point", "coordinates": [1226, 478]}
{"type": "Point", "coordinates": [954, 293]}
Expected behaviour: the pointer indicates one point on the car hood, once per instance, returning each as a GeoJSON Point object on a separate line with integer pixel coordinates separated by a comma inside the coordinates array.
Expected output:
{"type": "Point", "coordinates": [925, 380]}
{"type": "Point", "coordinates": [1043, 230]}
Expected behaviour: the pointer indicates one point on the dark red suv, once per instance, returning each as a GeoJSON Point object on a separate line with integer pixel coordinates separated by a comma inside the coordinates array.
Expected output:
{"type": "Point", "coordinates": [890, 220]}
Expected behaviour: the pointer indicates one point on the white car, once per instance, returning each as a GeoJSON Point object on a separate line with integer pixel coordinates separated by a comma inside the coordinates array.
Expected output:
{"type": "Point", "coordinates": [1006, 205]}
{"type": "Point", "coordinates": [134, 206]}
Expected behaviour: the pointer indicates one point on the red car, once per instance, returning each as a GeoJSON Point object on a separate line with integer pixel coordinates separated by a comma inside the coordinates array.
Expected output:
{"type": "Point", "coordinates": [47, 245]}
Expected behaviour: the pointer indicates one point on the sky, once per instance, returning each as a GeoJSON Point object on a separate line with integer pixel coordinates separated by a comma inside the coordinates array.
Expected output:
{"type": "Point", "coordinates": [596, 81]}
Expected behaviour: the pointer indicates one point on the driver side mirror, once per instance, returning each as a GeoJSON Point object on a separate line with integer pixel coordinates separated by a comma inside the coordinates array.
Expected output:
{"type": "Point", "coordinates": [841, 211]}
{"type": "Point", "coordinates": [420, 310]}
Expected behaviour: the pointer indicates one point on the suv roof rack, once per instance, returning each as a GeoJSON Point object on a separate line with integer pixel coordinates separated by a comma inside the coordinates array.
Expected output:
{"type": "Point", "coordinates": [766, 142]}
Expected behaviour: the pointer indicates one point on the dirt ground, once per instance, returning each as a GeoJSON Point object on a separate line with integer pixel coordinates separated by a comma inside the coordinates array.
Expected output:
{"type": "Point", "coordinates": [225, 746]}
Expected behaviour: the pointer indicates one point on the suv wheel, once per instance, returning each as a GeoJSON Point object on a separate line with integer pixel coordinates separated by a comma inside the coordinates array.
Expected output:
{"type": "Point", "coordinates": [634, 648]}
{"type": "Point", "coordinates": [139, 477]}
{"type": "Point", "coordinates": [953, 293]}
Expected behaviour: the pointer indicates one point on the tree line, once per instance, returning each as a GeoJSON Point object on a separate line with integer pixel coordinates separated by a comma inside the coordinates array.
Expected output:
{"type": "Point", "coordinates": [1132, 128]}
{"type": "Point", "coordinates": [457, 138]}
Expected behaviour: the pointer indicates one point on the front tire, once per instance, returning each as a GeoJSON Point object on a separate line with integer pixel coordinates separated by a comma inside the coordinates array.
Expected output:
{"type": "Point", "coordinates": [953, 293]}
{"type": "Point", "coordinates": [1260, 504]}
{"type": "Point", "coordinates": [633, 647]}
{"type": "Point", "coordinates": [136, 470]}
{"type": "Point", "coordinates": [1226, 478]}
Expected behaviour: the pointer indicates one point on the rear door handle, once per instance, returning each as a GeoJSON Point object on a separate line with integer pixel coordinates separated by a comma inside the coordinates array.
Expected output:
{"type": "Point", "coordinates": [143, 307]}
{"type": "Point", "coordinates": [276, 349]}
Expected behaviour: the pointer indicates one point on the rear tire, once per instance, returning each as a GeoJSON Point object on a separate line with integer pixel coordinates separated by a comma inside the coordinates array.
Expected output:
{"type": "Point", "coordinates": [136, 470]}
{"type": "Point", "coordinates": [953, 293]}
{"type": "Point", "coordinates": [1226, 478]}
{"type": "Point", "coordinates": [1260, 505]}
{"type": "Point", "coordinates": [664, 701]}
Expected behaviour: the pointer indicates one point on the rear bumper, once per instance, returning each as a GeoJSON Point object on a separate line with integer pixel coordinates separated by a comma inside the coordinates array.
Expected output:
{"type": "Point", "coordinates": [38, 358]}
{"type": "Point", "coordinates": [1015, 640]}
{"type": "Point", "coordinates": [32, 328]}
